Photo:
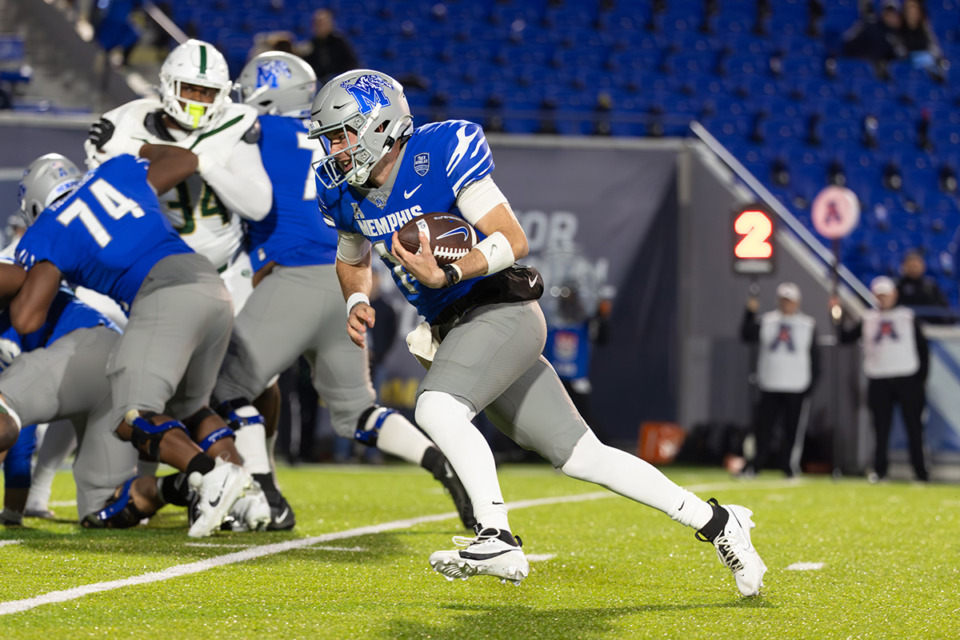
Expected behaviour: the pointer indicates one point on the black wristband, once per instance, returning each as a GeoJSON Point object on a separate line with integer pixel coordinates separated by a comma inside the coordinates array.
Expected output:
{"type": "Point", "coordinates": [452, 274]}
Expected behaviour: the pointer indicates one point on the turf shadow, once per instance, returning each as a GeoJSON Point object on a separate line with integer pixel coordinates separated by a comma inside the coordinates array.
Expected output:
{"type": "Point", "coordinates": [513, 621]}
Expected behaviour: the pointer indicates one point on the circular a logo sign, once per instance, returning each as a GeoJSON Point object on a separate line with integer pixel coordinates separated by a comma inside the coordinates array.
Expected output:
{"type": "Point", "coordinates": [835, 212]}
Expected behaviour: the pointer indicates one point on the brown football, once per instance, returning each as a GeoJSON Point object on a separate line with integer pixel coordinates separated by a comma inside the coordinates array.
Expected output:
{"type": "Point", "coordinates": [451, 237]}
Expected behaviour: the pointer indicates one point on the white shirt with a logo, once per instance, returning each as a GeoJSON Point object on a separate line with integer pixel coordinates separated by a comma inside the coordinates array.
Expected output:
{"type": "Point", "coordinates": [889, 343]}
{"type": "Point", "coordinates": [784, 363]}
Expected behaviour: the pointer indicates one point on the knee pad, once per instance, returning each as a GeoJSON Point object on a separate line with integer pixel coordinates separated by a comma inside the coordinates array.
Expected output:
{"type": "Point", "coordinates": [147, 436]}
{"type": "Point", "coordinates": [219, 434]}
{"type": "Point", "coordinates": [239, 413]}
{"type": "Point", "coordinates": [436, 408]}
{"type": "Point", "coordinates": [118, 513]}
{"type": "Point", "coordinates": [370, 423]}
{"type": "Point", "coordinates": [193, 422]}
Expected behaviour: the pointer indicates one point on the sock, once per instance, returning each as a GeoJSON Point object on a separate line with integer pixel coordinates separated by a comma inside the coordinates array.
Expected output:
{"type": "Point", "coordinates": [636, 479]}
{"type": "Point", "coordinates": [447, 421]}
{"type": "Point", "coordinates": [58, 441]}
{"type": "Point", "coordinates": [401, 439]}
{"type": "Point", "coordinates": [252, 445]}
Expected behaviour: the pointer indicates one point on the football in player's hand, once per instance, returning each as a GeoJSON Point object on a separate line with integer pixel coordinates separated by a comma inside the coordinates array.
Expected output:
{"type": "Point", "coordinates": [450, 236]}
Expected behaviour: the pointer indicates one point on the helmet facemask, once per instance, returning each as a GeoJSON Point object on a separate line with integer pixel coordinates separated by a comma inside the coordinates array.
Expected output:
{"type": "Point", "coordinates": [191, 114]}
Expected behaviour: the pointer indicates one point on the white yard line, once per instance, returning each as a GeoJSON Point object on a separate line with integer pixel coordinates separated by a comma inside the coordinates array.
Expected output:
{"type": "Point", "coordinates": [4, 543]}
{"type": "Point", "coordinates": [16, 606]}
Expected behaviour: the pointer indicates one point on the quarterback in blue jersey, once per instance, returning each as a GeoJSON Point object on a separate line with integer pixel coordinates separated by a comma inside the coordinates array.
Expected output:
{"type": "Point", "coordinates": [297, 306]}
{"type": "Point", "coordinates": [105, 231]}
{"type": "Point", "coordinates": [482, 310]}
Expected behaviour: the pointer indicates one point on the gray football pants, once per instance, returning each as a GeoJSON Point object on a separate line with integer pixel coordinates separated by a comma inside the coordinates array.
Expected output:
{"type": "Point", "coordinates": [172, 347]}
{"type": "Point", "coordinates": [491, 361]}
{"type": "Point", "coordinates": [298, 311]}
{"type": "Point", "coordinates": [67, 381]}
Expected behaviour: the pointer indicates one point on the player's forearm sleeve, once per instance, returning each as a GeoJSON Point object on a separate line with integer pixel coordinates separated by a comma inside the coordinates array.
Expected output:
{"type": "Point", "coordinates": [242, 184]}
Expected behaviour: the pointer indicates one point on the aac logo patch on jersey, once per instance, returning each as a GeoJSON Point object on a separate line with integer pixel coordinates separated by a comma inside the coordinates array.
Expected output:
{"type": "Point", "coordinates": [368, 92]}
{"type": "Point", "coordinates": [378, 198]}
{"type": "Point", "coordinates": [270, 72]}
{"type": "Point", "coordinates": [421, 164]}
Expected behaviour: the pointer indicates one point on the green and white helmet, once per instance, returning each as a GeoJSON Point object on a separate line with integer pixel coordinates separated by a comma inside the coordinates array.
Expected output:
{"type": "Point", "coordinates": [44, 181]}
{"type": "Point", "coordinates": [369, 104]}
{"type": "Point", "coordinates": [278, 82]}
{"type": "Point", "coordinates": [199, 63]}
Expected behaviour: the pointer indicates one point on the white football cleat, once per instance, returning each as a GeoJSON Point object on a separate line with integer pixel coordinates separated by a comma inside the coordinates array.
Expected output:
{"type": "Point", "coordinates": [737, 553]}
{"type": "Point", "coordinates": [250, 512]}
{"type": "Point", "coordinates": [217, 491]}
{"type": "Point", "coordinates": [494, 552]}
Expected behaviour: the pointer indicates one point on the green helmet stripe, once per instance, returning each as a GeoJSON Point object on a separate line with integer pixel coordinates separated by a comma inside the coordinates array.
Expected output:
{"type": "Point", "coordinates": [203, 60]}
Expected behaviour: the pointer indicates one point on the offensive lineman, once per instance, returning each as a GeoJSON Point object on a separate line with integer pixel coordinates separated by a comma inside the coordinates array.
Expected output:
{"type": "Point", "coordinates": [482, 309]}
{"type": "Point", "coordinates": [106, 232]}
{"type": "Point", "coordinates": [297, 306]}
{"type": "Point", "coordinates": [195, 112]}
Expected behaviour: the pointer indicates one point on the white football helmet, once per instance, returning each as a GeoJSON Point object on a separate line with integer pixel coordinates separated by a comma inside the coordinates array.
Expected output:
{"type": "Point", "coordinates": [370, 105]}
{"type": "Point", "coordinates": [44, 181]}
{"type": "Point", "coordinates": [278, 82]}
{"type": "Point", "coordinates": [199, 63]}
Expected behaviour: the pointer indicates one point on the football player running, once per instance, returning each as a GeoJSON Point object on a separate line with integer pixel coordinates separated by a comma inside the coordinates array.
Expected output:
{"type": "Point", "coordinates": [297, 306]}
{"type": "Point", "coordinates": [483, 311]}
{"type": "Point", "coordinates": [106, 232]}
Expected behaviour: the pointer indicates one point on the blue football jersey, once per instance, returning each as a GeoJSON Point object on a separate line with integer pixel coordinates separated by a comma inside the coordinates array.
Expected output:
{"type": "Point", "coordinates": [293, 234]}
{"type": "Point", "coordinates": [107, 234]}
{"type": "Point", "coordinates": [438, 160]}
{"type": "Point", "coordinates": [67, 313]}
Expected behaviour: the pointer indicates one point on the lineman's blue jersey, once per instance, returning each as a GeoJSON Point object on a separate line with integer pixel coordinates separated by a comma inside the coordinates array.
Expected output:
{"type": "Point", "coordinates": [107, 235]}
{"type": "Point", "coordinates": [438, 160]}
{"type": "Point", "coordinates": [66, 314]}
{"type": "Point", "coordinates": [293, 234]}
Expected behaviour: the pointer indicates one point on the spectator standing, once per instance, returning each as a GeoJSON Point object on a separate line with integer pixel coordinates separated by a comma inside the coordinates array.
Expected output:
{"type": "Point", "coordinates": [787, 368]}
{"type": "Point", "coordinates": [330, 51]}
{"type": "Point", "coordinates": [895, 361]}
{"type": "Point", "coordinates": [916, 289]}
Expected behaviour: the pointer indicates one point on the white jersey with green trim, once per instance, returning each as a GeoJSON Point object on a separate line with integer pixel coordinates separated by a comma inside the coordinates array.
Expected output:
{"type": "Point", "coordinates": [194, 207]}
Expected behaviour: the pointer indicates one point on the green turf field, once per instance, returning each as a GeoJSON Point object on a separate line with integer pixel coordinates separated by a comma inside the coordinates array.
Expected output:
{"type": "Point", "coordinates": [879, 561]}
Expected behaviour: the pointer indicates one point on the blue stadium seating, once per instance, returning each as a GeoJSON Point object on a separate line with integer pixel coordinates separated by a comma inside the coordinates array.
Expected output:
{"type": "Point", "coordinates": [776, 96]}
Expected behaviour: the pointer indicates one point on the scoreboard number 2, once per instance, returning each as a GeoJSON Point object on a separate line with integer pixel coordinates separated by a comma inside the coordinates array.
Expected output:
{"type": "Point", "coordinates": [753, 241]}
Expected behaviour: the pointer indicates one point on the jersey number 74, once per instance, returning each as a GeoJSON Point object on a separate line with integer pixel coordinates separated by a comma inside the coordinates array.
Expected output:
{"type": "Point", "coordinates": [114, 203]}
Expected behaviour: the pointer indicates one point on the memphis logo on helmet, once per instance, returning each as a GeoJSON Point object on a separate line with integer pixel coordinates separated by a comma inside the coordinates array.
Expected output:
{"type": "Point", "coordinates": [270, 72]}
{"type": "Point", "coordinates": [368, 92]}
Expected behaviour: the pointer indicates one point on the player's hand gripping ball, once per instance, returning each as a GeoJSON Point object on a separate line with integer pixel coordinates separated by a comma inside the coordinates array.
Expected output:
{"type": "Point", "coordinates": [450, 237]}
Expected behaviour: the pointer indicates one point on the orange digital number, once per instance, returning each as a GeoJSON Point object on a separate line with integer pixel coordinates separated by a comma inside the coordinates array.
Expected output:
{"type": "Point", "coordinates": [756, 228]}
